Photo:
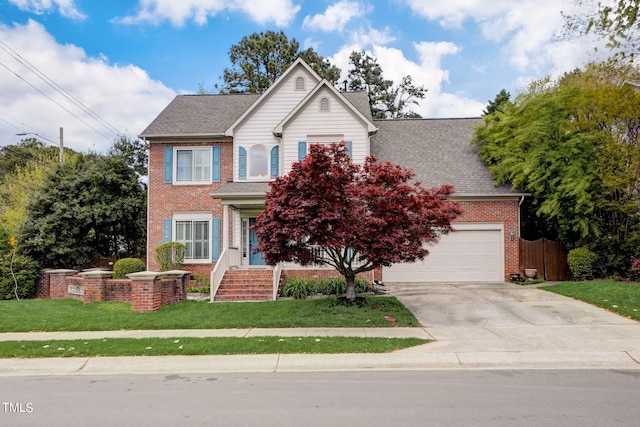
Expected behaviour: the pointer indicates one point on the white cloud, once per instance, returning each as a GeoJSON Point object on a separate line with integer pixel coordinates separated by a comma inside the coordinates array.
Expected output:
{"type": "Point", "coordinates": [279, 12]}
{"type": "Point", "coordinates": [66, 8]}
{"type": "Point", "coordinates": [336, 16]}
{"type": "Point", "coordinates": [527, 33]}
{"type": "Point", "coordinates": [427, 72]}
{"type": "Point", "coordinates": [124, 96]}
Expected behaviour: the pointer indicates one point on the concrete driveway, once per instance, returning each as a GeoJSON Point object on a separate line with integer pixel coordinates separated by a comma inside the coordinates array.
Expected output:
{"type": "Point", "coordinates": [493, 318]}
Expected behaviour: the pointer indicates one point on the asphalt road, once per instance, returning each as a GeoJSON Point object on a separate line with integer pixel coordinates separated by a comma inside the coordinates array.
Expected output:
{"type": "Point", "coordinates": [399, 398]}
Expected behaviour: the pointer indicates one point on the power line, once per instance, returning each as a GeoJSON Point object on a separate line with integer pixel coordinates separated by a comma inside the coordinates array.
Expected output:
{"type": "Point", "coordinates": [54, 101]}
{"type": "Point", "coordinates": [70, 97]}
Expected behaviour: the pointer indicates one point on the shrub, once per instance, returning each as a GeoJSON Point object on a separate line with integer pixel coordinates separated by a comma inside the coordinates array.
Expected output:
{"type": "Point", "coordinates": [302, 288]}
{"type": "Point", "coordinates": [202, 280]}
{"type": "Point", "coordinates": [170, 255]}
{"type": "Point", "coordinates": [25, 270]}
{"type": "Point", "coordinates": [581, 263]}
{"type": "Point", "coordinates": [298, 288]}
{"type": "Point", "coordinates": [125, 266]}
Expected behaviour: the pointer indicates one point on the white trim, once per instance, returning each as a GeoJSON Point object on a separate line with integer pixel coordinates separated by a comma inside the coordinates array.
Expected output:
{"type": "Point", "coordinates": [174, 166]}
{"type": "Point", "coordinates": [194, 216]}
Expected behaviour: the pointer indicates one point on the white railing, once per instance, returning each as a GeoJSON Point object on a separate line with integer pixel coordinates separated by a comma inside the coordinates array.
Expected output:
{"type": "Point", "coordinates": [277, 271]}
{"type": "Point", "coordinates": [228, 258]}
{"type": "Point", "coordinates": [318, 252]}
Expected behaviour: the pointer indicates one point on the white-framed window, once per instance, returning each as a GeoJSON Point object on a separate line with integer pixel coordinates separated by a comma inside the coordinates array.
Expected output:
{"type": "Point", "coordinates": [192, 165]}
{"type": "Point", "coordinates": [258, 162]}
{"type": "Point", "coordinates": [300, 83]}
{"type": "Point", "coordinates": [194, 231]}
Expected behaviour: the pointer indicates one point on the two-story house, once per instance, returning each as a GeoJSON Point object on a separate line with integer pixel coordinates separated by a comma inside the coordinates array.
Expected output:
{"type": "Point", "coordinates": [211, 158]}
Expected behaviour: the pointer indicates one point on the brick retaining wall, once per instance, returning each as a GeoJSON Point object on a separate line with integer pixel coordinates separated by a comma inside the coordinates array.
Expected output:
{"type": "Point", "coordinates": [146, 293]}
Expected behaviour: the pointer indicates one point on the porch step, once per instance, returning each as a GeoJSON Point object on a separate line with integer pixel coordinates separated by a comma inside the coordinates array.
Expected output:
{"type": "Point", "coordinates": [246, 285]}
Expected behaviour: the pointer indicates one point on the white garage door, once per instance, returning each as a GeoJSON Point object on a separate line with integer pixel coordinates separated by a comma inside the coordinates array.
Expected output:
{"type": "Point", "coordinates": [465, 255]}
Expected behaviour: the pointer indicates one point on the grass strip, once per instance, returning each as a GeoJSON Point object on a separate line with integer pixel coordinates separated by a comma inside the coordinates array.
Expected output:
{"type": "Point", "coordinates": [618, 297]}
{"type": "Point", "coordinates": [202, 346]}
{"type": "Point", "coordinates": [71, 315]}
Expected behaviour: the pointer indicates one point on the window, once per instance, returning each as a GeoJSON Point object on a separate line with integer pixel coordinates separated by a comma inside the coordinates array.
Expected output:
{"type": "Point", "coordinates": [324, 104]}
{"type": "Point", "coordinates": [258, 162]}
{"type": "Point", "coordinates": [198, 231]}
{"type": "Point", "coordinates": [195, 236]}
{"type": "Point", "coordinates": [300, 83]}
{"type": "Point", "coordinates": [193, 165]}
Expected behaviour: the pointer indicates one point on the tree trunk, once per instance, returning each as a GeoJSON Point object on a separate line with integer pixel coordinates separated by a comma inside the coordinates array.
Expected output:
{"type": "Point", "coordinates": [351, 288]}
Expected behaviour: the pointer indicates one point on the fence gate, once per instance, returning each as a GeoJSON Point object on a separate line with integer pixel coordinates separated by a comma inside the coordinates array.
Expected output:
{"type": "Point", "coordinates": [548, 257]}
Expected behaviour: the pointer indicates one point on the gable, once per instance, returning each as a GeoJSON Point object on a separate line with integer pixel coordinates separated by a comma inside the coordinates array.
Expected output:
{"type": "Point", "coordinates": [281, 97]}
{"type": "Point", "coordinates": [315, 102]}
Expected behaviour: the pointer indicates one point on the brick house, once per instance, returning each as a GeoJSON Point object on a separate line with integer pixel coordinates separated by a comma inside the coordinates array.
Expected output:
{"type": "Point", "coordinates": [211, 158]}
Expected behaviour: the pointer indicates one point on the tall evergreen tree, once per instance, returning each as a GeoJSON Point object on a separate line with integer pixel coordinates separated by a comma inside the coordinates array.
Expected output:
{"type": "Point", "coordinates": [259, 59]}
{"type": "Point", "coordinates": [386, 100]}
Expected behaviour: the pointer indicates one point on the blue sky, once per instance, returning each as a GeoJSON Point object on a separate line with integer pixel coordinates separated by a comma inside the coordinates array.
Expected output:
{"type": "Point", "coordinates": [126, 59]}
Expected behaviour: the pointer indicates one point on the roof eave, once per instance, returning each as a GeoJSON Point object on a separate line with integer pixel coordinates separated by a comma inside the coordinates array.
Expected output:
{"type": "Point", "coordinates": [182, 136]}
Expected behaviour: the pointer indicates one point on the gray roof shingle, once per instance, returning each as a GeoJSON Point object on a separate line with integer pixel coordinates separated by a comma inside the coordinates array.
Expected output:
{"type": "Point", "coordinates": [438, 151]}
{"type": "Point", "coordinates": [208, 115]}
{"type": "Point", "coordinates": [231, 189]}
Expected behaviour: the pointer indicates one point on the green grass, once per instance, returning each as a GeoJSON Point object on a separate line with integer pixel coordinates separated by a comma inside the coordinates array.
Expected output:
{"type": "Point", "coordinates": [202, 346]}
{"type": "Point", "coordinates": [72, 315]}
{"type": "Point", "coordinates": [619, 297]}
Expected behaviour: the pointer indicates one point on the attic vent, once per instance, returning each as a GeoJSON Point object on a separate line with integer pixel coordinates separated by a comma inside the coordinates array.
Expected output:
{"type": "Point", "coordinates": [324, 104]}
{"type": "Point", "coordinates": [300, 83]}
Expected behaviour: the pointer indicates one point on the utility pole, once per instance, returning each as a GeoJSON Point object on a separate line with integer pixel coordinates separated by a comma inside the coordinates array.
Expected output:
{"type": "Point", "coordinates": [61, 147]}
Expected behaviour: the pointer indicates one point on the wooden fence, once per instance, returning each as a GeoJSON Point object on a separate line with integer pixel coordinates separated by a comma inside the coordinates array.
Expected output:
{"type": "Point", "coordinates": [548, 257]}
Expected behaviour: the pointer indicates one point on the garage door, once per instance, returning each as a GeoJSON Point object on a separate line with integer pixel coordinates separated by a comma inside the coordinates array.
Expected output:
{"type": "Point", "coordinates": [465, 255]}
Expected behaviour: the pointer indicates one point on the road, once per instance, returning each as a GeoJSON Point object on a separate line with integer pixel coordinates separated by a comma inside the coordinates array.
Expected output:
{"type": "Point", "coordinates": [397, 398]}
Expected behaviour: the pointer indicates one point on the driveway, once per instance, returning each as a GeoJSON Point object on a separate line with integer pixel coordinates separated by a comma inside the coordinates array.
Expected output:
{"type": "Point", "coordinates": [504, 317]}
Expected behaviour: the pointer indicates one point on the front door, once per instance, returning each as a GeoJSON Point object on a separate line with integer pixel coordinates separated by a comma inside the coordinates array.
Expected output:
{"type": "Point", "coordinates": [255, 258]}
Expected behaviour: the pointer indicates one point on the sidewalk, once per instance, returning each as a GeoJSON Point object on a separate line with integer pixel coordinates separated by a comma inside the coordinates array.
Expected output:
{"type": "Point", "coordinates": [474, 325]}
{"type": "Point", "coordinates": [472, 349]}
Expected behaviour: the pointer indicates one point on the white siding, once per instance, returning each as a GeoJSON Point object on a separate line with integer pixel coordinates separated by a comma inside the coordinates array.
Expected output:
{"type": "Point", "coordinates": [340, 120]}
{"type": "Point", "coordinates": [257, 128]}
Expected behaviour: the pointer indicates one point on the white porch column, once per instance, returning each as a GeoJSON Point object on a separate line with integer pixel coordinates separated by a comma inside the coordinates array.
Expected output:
{"type": "Point", "coordinates": [225, 227]}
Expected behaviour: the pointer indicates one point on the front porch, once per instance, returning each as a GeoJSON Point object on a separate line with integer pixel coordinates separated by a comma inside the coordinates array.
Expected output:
{"type": "Point", "coordinates": [240, 274]}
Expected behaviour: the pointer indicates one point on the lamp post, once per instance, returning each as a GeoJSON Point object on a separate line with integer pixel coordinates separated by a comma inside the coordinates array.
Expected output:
{"type": "Point", "coordinates": [61, 143]}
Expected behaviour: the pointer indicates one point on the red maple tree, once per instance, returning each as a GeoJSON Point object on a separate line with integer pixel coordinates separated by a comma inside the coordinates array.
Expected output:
{"type": "Point", "coordinates": [355, 218]}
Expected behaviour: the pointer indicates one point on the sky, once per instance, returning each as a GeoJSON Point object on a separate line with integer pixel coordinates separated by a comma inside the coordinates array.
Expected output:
{"type": "Point", "coordinates": [103, 69]}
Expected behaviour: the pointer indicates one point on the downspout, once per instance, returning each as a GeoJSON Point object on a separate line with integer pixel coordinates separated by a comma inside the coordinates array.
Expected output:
{"type": "Point", "coordinates": [148, 210]}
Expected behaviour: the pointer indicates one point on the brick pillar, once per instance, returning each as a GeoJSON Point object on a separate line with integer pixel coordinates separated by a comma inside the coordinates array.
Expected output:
{"type": "Point", "coordinates": [94, 282]}
{"type": "Point", "coordinates": [57, 285]}
{"type": "Point", "coordinates": [181, 277]}
{"type": "Point", "coordinates": [146, 291]}
{"type": "Point", "coordinates": [42, 285]}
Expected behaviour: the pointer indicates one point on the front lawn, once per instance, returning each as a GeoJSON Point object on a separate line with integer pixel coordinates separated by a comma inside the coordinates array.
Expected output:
{"type": "Point", "coordinates": [72, 315]}
{"type": "Point", "coordinates": [619, 297]}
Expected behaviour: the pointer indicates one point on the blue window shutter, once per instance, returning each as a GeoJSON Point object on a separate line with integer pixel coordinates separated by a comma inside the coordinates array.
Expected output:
{"type": "Point", "coordinates": [302, 150]}
{"type": "Point", "coordinates": [349, 145]}
{"type": "Point", "coordinates": [242, 163]}
{"type": "Point", "coordinates": [215, 239]}
{"type": "Point", "coordinates": [275, 162]}
{"type": "Point", "coordinates": [168, 165]}
{"type": "Point", "coordinates": [215, 167]}
{"type": "Point", "coordinates": [166, 230]}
